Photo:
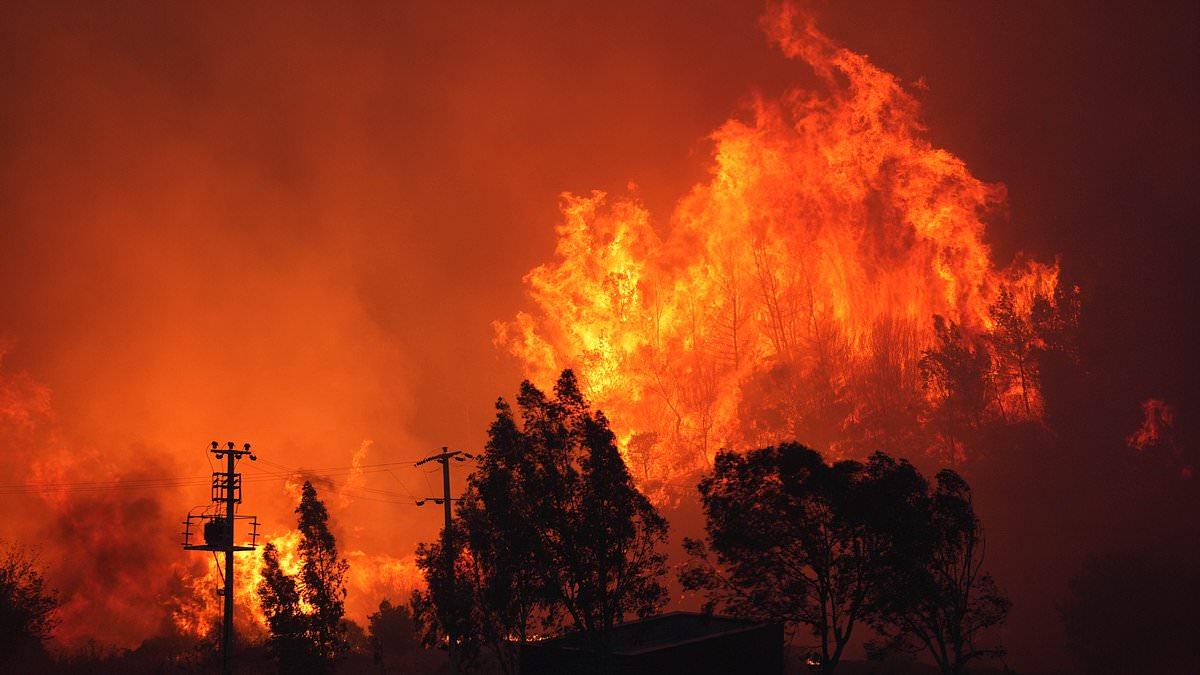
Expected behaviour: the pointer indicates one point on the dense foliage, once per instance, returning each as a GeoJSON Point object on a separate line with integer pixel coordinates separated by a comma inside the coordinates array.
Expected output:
{"type": "Point", "coordinates": [553, 534]}
{"type": "Point", "coordinates": [27, 607]}
{"type": "Point", "coordinates": [304, 611]}
{"type": "Point", "coordinates": [829, 547]}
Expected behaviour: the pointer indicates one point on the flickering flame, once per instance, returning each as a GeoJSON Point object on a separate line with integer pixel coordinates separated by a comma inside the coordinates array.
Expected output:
{"type": "Point", "coordinates": [1158, 425]}
{"type": "Point", "coordinates": [829, 234]}
{"type": "Point", "coordinates": [371, 578]}
{"type": "Point", "coordinates": [1159, 434]}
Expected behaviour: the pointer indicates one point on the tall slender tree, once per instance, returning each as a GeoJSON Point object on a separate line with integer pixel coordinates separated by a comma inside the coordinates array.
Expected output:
{"type": "Point", "coordinates": [322, 576]}
{"type": "Point", "coordinates": [956, 376]}
{"type": "Point", "coordinates": [305, 611]}
{"type": "Point", "coordinates": [287, 625]}
{"type": "Point", "coordinates": [1015, 343]}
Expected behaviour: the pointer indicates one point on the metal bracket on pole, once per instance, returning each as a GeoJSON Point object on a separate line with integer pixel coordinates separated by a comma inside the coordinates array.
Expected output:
{"type": "Point", "coordinates": [218, 523]}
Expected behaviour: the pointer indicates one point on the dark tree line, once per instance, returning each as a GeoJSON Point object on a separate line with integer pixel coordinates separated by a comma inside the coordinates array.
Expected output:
{"type": "Point", "coordinates": [998, 377]}
{"type": "Point", "coordinates": [842, 547]}
{"type": "Point", "coordinates": [551, 535]}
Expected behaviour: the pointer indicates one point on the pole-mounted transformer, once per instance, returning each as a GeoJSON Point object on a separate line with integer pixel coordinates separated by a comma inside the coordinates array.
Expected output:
{"type": "Point", "coordinates": [218, 521]}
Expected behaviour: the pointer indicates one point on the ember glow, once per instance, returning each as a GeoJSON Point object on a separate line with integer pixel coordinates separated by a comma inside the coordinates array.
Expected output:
{"type": "Point", "coordinates": [198, 612]}
{"type": "Point", "coordinates": [813, 261]}
{"type": "Point", "coordinates": [340, 232]}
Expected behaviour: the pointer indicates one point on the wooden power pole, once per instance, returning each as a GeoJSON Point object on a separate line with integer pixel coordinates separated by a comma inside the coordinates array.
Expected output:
{"type": "Point", "coordinates": [218, 520]}
{"type": "Point", "coordinates": [444, 458]}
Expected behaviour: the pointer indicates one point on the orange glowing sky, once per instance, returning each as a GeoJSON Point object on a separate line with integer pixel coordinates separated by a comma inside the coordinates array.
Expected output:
{"type": "Point", "coordinates": [295, 228]}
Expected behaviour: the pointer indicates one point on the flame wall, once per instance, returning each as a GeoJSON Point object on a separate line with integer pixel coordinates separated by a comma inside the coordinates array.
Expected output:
{"type": "Point", "coordinates": [809, 266]}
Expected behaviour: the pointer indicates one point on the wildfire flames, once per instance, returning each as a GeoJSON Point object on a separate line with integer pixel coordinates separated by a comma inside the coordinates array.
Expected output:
{"type": "Point", "coordinates": [235, 273]}
{"type": "Point", "coordinates": [808, 268]}
{"type": "Point", "coordinates": [1158, 434]}
{"type": "Point", "coordinates": [116, 536]}
{"type": "Point", "coordinates": [371, 578]}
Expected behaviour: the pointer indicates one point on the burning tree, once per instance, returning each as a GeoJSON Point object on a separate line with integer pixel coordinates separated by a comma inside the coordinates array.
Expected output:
{"type": "Point", "coordinates": [304, 611]}
{"type": "Point", "coordinates": [792, 295]}
{"type": "Point", "coordinates": [552, 533]}
{"type": "Point", "coordinates": [956, 379]}
{"type": "Point", "coordinates": [288, 641]}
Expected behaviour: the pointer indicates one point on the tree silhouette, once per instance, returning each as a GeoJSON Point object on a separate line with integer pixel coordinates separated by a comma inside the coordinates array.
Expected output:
{"type": "Point", "coordinates": [322, 576]}
{"type": "Point", "coordinates": [1015, 342]}
{"type": "Point", "coordinates": [27, 607]}
{"type": "Point", "coordinates": [939, 597]}
{"type": "Point", "coordinates": [553, 531]}
{"type": "Point", "coordinates": [799, 540]}
{"type": "Point", "coordinates": [597, 535]}
{"type": "Point", "coordinates": [955, 374]}
{"type": "Point", "coordinates": [287, 641]}
{"type": "Point", "coordinates": [452, 605]}
{"type": "Point", "coordinates": [304, 612]}
{"type": "Point", "coordinates": [392, 635]}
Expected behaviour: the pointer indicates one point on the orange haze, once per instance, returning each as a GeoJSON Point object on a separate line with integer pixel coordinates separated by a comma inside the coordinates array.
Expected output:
{"type": "Point", "coordinates": [307, 229]}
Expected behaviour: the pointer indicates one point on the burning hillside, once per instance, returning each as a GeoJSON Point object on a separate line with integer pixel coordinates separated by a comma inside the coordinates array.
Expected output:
{"type": "Point", "coordinates": [339, 223]}
{"type": "Point", "coordinates": [794, 293]}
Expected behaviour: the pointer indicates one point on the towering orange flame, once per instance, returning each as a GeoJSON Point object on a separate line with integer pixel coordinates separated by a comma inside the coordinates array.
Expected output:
{"type": "Point", "coordinates": [828, 236]}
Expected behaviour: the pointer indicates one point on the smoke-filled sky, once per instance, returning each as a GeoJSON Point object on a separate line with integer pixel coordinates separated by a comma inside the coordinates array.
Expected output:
{"type": "Point", "coordinates": [294, 226]}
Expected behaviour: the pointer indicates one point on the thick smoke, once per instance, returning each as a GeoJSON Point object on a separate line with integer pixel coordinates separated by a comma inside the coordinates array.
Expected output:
{"type": "Point", "coordinates": [229, 222]}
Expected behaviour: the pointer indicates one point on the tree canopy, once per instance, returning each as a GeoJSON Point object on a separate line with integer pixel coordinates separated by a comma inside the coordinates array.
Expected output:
{"type": "Point", "coordinates": [552, 532]}
{"type": "Point", "coordinates": [827, 547]}
{"type": "Point", "coordinates": [940, 598]}
{"type": "Point", "coordinates": [801, 541]}
{"type": "Point", "coordinates": [304, 611]}
{"type": "Point", "coordinates": [27, 607]}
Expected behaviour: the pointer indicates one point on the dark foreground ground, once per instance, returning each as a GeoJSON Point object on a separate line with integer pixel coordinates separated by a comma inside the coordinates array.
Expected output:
{"type": "Point", "coordinates": [148, 660]}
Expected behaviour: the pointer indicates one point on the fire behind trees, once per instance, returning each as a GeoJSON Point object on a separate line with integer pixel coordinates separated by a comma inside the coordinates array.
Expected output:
{"type": "Point", "coordinates": [831, 547]}
{"type": "Point", "coordinates": [304, 611]}
{"type": "Point", "coordinates": [552, 535]}
{"type": "Point", "coordinates": [790, 295]}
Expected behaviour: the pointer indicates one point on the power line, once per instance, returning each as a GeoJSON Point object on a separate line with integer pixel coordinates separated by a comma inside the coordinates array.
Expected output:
{"type": "Point", "coordinates": [184, 481]}
{"type": "Point", "coordinates": [219, 534]}
{"type": "Point", "coordinates": [444, 458]}
{"type": "Point", "coordinates": [383, 467]}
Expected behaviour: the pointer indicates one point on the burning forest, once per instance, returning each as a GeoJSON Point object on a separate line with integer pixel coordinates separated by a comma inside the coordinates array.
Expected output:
{"type": "Point", "coordinates": [764, 337]}
{"type": "Point", "coordinates": [794, 294]}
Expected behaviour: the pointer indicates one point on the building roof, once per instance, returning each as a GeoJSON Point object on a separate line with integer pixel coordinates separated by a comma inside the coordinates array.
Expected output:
{"type": "Point", "coordinates": [661, 631]}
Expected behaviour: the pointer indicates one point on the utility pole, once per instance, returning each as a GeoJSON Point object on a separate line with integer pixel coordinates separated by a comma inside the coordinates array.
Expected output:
{"type": "Point", "coordinates": [218, 520]}
{"type": "Point", "coordinates": [444, 458]}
